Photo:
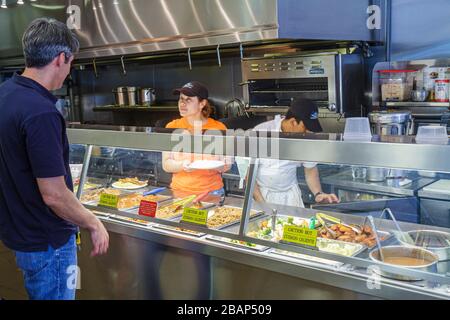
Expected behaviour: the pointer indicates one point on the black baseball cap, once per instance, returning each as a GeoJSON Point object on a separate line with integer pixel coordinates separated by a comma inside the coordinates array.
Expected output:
{"type": "Point", "coordinates": [305, 110]}
{"type": "Point", "coordinates": [193, 89]}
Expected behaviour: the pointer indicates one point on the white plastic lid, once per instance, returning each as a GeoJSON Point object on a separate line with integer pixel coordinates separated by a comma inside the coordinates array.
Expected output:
{"type": "Point", "coordinates": [357, 129]}
{"type": "Point", "coordinates": [432, 134]}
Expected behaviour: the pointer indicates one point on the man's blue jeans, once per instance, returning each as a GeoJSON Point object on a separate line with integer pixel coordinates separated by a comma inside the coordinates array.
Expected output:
{"type": "Point", "coordinates": [51, 274]}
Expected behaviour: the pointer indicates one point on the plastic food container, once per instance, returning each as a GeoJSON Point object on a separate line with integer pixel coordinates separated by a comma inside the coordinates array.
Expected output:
{"type": "Point", "coordinates": [396, 85]}
{"type": "Point", "coordinates": [433, 134]}
{"type": "Point", "coordinates": [357, 129]}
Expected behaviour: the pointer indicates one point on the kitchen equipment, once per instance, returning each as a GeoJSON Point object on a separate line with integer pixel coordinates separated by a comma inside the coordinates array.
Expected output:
{"type": "Point", "coordinates": [407, 254]}
{"type": "Point", "coordinates": [146, 96]}
{"type": "Point", "coordinates": [419, 95]}
{"type": "Point", "coordinates": [132, 94]}
{"type": "Point", "coordinates": [381, 253]}
{"type": "Point", "coordinates": [391, 123]}
{"type": "Point", "coordinates": [435, 241]}
{"type": "Point", "coordinates": [120, 96]}
{"type": "Point", "coordinates": [376, 174]}
{"type": "Point", "coordinates": [333, 81]}
{"type": "Point", "coordinates": [395, 84]}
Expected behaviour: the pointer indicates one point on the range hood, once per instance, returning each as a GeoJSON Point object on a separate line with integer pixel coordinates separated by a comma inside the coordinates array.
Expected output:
{"type": "Point", "coordinates": [123, 27]}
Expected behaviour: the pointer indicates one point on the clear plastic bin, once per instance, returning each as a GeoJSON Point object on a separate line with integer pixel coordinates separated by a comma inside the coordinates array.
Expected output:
{"type": "Point", "coordinates": [396, 85]}
{"type": "Point", "coordinates": [357, 129]}
{"type": "Point", "coordinates": [432, 134]}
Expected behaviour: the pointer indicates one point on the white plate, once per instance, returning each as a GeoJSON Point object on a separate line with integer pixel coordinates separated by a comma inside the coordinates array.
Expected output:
{"type": "Point", "coordinates": [207, 164]}
{"type": "Point", "coordinates": [127, 187]}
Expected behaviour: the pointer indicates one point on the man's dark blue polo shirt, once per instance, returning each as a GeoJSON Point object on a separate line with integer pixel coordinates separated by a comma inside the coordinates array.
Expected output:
{"type": "Point", "coordinates": [33, 144]}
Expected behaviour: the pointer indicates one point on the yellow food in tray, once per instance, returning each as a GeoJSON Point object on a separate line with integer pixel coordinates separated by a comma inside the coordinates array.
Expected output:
{"type": "Point", "coordinates": [169, 211]}
{"type": "Point", "coordinates": [94, 195]}
{"type": "Point", "coordinates": [225, 215]}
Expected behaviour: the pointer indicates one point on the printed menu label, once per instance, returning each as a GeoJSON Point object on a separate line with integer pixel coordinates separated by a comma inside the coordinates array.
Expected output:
{"type": "Point", "coordinates": [148, 208]}
{"type": "Point", "coordinates": [108, 200]}
{"type": "Point", "coordinates": [196, 216]}
{"type": "Point", "coordinates": [300, 235]}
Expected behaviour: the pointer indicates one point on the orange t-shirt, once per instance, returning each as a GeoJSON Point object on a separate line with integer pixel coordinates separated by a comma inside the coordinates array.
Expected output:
{"type": "Point", "coordinates": [197, 181]}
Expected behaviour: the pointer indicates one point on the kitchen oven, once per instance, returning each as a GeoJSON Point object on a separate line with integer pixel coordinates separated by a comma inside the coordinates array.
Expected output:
{"type": "Point", "coordinates": [334, 81]}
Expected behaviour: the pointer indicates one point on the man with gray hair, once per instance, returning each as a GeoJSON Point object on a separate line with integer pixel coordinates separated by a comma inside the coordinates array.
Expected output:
{"type": "Point", "coordinates": [39, 213]}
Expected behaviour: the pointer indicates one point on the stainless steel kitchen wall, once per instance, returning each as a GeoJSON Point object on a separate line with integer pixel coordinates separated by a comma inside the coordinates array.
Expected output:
{"type": "Point", "coordinates": [221, 81]}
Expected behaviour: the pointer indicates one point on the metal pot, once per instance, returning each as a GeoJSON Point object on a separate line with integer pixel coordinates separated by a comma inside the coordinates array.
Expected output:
{"type": "Point", "coordinates": [376, 174]}
{"type": "Point", "coordinates": [120, 96]}
{"type": "Point", "coordinates": [390, 123]}
{"type": "Point", "coordinates": [408, 251]}
{"type": "Point", "coordinates": [146, 96]}
{"type": "Point", "coordinates": [435, 241]}
{"type": "Point", "coordinates": [132, 94]}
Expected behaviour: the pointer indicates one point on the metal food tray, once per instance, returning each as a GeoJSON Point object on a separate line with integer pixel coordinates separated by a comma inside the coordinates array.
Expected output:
{"type": "Point", "coordinates": [173, 229]}
{"type": "Point", "coordinates": [129, 209]}
{"type": "Point", "coordinates": [227, 241]}
{"type": "Point", "coordinates": [299, 256]}
{"type": "Point", "coordinates": [357, 252]}
{"type": "Point", "coordinates": [384, 236]}
{"type": "Point", "coordinates": [206, 206]}
{"type": "Point", "coordinates": [123, 219]}
{"type": "Point", "coordinates": [102, 214]}
{"type": "Point", "coordinates": [256, 215]}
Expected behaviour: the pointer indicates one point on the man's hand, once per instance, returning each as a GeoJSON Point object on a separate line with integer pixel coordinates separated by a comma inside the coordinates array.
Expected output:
{"type": "Point", "coordinates": [100, 239]}
{"type": "Point", "coordinates": [326, 198]}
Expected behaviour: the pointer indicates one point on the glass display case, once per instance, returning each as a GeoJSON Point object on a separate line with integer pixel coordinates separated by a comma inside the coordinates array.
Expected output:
{"type": "Point", "coordinates": [127, 182]}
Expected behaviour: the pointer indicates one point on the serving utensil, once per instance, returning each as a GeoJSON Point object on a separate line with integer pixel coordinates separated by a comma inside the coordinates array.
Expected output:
{"type": "Point", "coordinates": [380, 249]}
{"type": "Point", "coordinates": [154, 191]}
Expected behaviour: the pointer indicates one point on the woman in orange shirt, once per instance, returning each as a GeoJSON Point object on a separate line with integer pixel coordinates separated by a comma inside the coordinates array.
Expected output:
{"type": "Point", "coordinates": [195, 110]}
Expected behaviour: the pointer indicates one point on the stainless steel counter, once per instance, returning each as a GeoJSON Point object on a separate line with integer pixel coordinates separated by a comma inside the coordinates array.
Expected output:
{"type": "Point", "coordinates": [389, 186]}
{"type": "Point", "coordinates": [207, 269]}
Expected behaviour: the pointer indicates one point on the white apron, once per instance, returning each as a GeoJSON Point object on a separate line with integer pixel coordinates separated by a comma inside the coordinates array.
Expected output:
{"type": "Point", "coordinates": [277, 179]}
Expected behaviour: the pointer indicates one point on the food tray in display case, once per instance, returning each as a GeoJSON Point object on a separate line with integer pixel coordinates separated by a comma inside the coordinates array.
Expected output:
{"type": "Point", "coordinates": [225, 216]}
{"type": "Point", "coordinates": [135, 221]}
{"type": "Point", "coordinates": [127, 201]}
{"type": "Point", "coordinates": [295, 256]}
{"type": "Point", "coordinates": [353, 233]}
{"type": "Point", "coordinates": [237, 243]}
{"type": "Point", "coordinates": [101, 214]}
{"type": "Point", "coordinates": [179, 230]}
{"type": "Point", "coordinates": [263, 229]}
{"type": "Point", "coordinates": [228, 215]}
{"type": "Point", "coordinates": [166, 209]}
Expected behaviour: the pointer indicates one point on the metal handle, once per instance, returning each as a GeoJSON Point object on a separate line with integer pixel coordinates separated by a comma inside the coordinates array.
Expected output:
{"type": "Point", "coordinates": [95, 68]}
{"type": "Point", "coordinates": [332, 107]}
{"type": "Point", "coordinates": [189, 59]}
{"type": "Point", "coordinates": [218, 55]}
{"type": "Point", "coordinates": [123, 65]}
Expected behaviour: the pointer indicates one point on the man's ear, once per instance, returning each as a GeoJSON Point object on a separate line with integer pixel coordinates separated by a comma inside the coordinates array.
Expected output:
{"type": "Point", "coordinates": [60, 59]}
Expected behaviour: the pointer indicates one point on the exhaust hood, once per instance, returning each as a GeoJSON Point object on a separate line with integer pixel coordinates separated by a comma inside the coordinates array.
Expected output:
{"type": "Point", "coordinates": [122, 27]}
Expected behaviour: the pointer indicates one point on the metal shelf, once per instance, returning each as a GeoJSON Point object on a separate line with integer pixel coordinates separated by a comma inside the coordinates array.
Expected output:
{"type": "Point", "coordinates": [416, 104]}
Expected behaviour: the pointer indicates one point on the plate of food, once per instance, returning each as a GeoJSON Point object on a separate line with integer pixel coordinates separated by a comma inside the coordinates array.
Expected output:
{"type": "Point", "coordinates": [129, 184]}
{"type": "Point", "coordinates": [206, 165]}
